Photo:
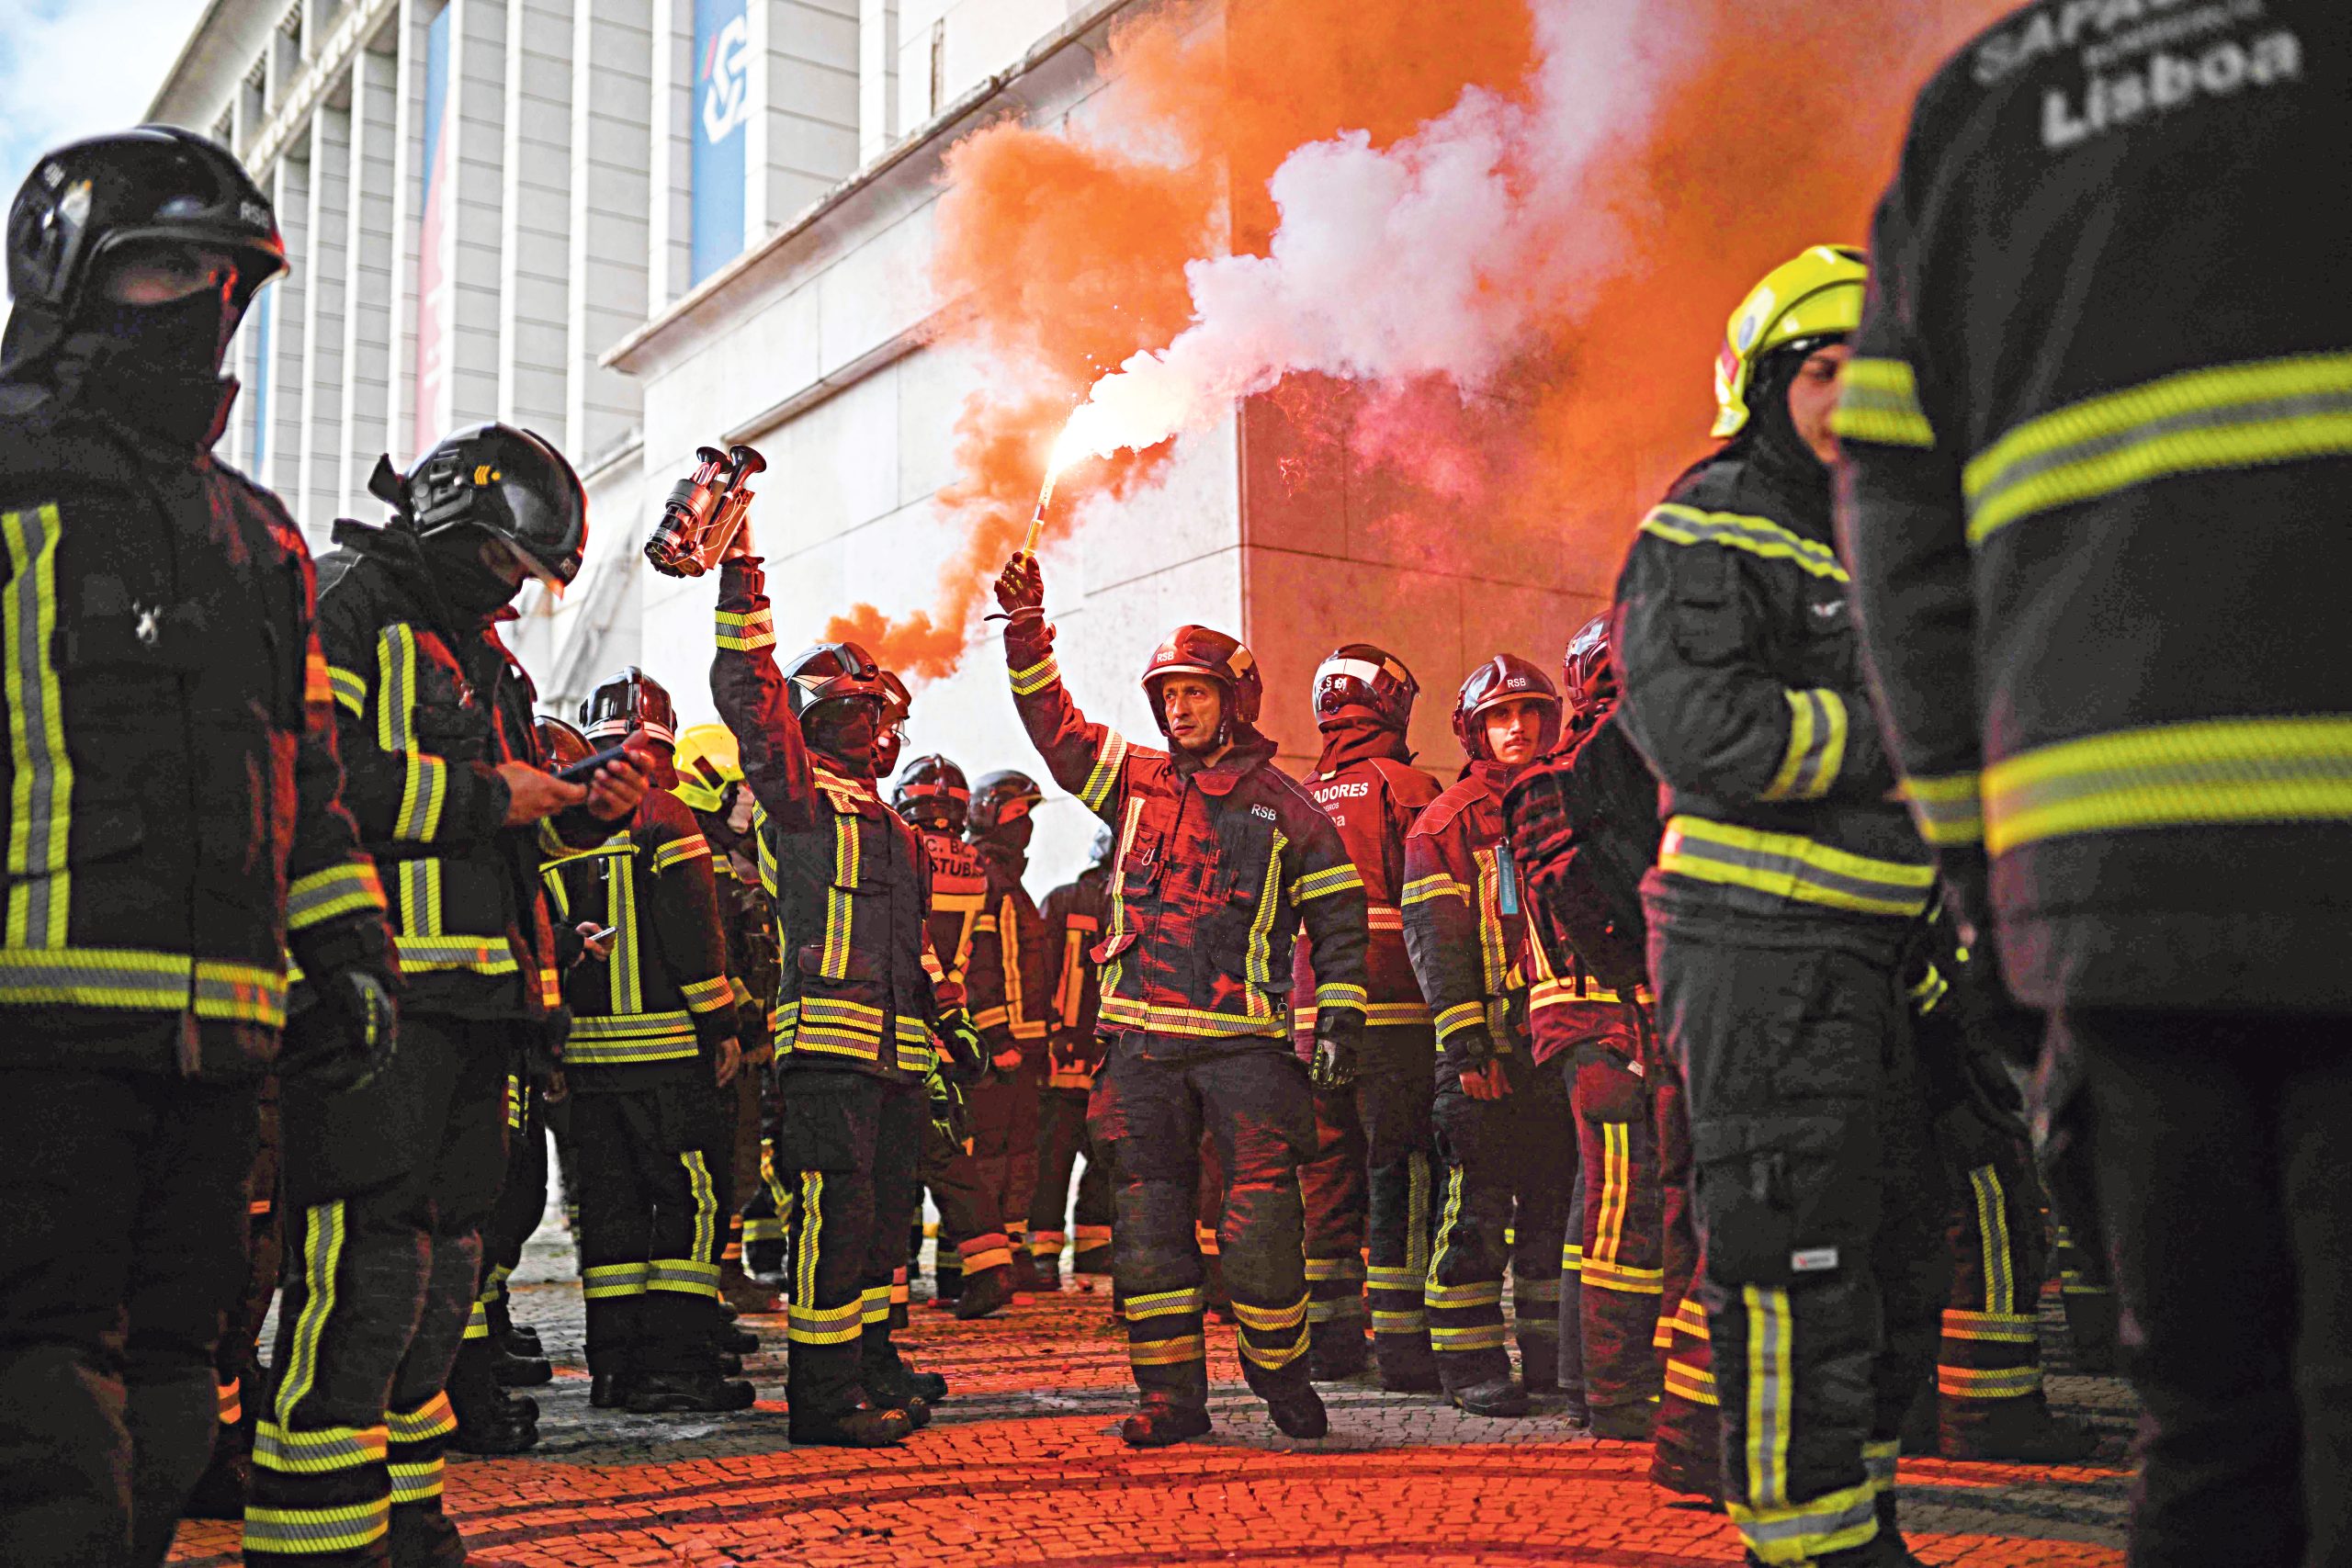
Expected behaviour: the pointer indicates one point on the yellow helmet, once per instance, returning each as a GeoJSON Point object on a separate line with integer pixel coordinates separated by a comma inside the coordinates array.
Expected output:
{"type": "Point", "coordinates": [1818, 294]}
{"type": "Point", "coordinates": [707, 763]}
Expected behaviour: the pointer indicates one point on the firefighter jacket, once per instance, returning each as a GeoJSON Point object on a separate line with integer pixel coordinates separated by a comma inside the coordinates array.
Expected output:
{"type": "Point", "coordinates": [858, 988]}
{"type": "Point", "coordinates": [1366, 784]}
{"type": "Point", "coordinates": [959, 894]}
{"type": "Point", "coordinates": [173, 819]}
{"type": "Point", "coordinates": [1010, 983]}
{"type": "Point", "coordinates": [1462, 922]}
{"type": "Point", "coordinates": [2098, 435]}
{"type": "Point", "coordinates": [1742, 690]}
{"type": "Point", "coordinates": [746, 917]}
{"type": "Point", "coordinates": [1075, 915]}
{"type": "Point", "coordinates": [661, 1002]}
{"type": "Point", "coordinates": [1567, 1010]}
{"type": "Point", "coordinates": [424, 713]}
{"type": "Point", "coordinates": [1214, 867]}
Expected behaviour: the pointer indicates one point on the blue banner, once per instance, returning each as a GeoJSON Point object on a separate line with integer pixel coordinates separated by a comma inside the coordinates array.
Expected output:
{"type": "Point", "coordinates": [722, 108]}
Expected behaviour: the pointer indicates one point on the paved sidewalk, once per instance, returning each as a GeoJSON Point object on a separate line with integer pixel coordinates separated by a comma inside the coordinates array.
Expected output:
{"type": "Point", "coordinates": [1023, 1465]}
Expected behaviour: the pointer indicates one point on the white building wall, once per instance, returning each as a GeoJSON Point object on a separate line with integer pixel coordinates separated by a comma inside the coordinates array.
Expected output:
{"type": "Point", "coordinates": [372, 260]}
{"type": "Point", "coordinates": [535, 250]}
{"type": "Point", "coordinates": [317, 492]}
{"type": "Point", "coordinates": [610, 221]}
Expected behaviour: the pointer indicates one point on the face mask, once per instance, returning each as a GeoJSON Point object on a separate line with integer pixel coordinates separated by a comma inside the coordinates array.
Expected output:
{"type": "Point", "coordinates": [156, 366]}
{"type": "Point", "coordinates": [471, 588]}
{"type": "Point", "coordinates": [843, 731]}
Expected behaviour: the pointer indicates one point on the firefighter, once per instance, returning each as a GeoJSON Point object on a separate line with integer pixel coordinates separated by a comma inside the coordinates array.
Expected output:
{"type": "Point", "coordinates": [1367, 1190]}
{"type": "Point", "coordinates": [1787, 883]}
{"type": "Point", "coordinates": [237, 1368]}
{"type": "Point", "coordinates": [1220, 855]}
{"type": "Point", "coordinates": [710, 782]}
{"type": "Point", "coordinates": [162, 685]}
{"type": "Point", "coordinates": [1502, 1127]}
{"type": "Point", "coordinates": [973, 1270]}
{"type": "Point", "coordinates": [1009, 985]}
{"type": "Point", "coordinates": [1075, 915]}
{"type": "Point", "coordinates": [2097, 451]}
{"type": "Point", "coordinates": [861, 1007]}
{"type": "Point", "coordinates": [653, 1029]}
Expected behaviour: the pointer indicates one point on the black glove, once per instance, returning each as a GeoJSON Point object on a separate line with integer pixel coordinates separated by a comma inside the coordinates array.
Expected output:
{"type": "Point", "coordinates": [1339, 1033]}
{"type": "Point", "coordinates": [1470, 1049]}
{"type": "Point", "coordinates": [350, 1033]}
{"type": "Point", "coordinates": [948, 1111]}
{"type": "Point", "coordinates": [967, 1056]}
{"type": "Point", "coordinates": [1021, 585]}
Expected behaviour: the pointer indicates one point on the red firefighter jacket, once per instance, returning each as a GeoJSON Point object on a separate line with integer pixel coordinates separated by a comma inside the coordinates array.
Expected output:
{"type": "Point", "coordinates": [859, 988]}
{"type": "Point", "coordinates": [1372, 800]}
{"type": "Point", "coordinates": [1466, 946]}
{"type": "Point", "coordinates": [744, 916]}
{"type": "Point", "coordinates": [1010, 983]}
{"type": "Point", "coordinates": [959, 895]}
{"type": "Point", "coordinates": [1076, 914]}
{"type": "Point", "coordinates": [660, 1000]}
{"type": "Point", "coordinates": [1213, 870]}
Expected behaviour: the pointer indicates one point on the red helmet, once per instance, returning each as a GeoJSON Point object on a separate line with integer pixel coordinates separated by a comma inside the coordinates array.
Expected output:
{"type": "Point", "coordinates": [1197, 650]}
{"type": "Point", "coordinates": [1586, 673]}
{"type": "Point", "coordinates": [931, 793]}
{"type": "Point", "coordinates": [890, 737]}
{"type": "Point", "coordinates": [999, 798]}
{"type": "Point", "coordinates": [1362, 680]}
{"type": "Point", "coordinates": [560, 743]}
{"type": "Point", "coordinates": [1505, 678]}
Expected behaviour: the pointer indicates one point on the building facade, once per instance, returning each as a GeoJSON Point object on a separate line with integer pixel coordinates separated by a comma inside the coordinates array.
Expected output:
{"type": "Point", "coordinates": [643, 226]}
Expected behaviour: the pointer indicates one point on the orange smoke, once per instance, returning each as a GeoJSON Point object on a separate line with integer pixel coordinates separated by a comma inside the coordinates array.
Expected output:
{"type": "Point", "coordinates": [1769, 128]}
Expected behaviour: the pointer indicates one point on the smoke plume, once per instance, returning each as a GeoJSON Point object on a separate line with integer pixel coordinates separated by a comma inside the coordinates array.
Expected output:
{"type": "Point", "coordinates": [1484, 249]}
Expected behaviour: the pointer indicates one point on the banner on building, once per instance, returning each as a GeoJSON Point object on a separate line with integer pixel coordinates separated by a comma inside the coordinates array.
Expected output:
{"type": "Point", "coordinates": [264, 312]}
{"type": "Point", "coordinates": [436, 237]}
{"type": "Point", "coordinates": [722, 109]}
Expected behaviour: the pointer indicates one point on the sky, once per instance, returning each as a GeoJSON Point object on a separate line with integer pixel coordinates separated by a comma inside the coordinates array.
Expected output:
{"type": "Point", "coordinates": [72, 68]}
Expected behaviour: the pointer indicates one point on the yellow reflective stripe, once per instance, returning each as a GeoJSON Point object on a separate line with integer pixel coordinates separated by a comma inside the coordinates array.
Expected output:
{"type": "Point", "coordinates": [677, 851]}
{"type": "Point", "coordinates": [1478, 1293]}
{"type": "Point", "coordinates": [1339, 995]}
{"type": "Point", "coordinates": [682, 1276]}
{"type": "Point", "coordinates": [1324, 883]}
{"type": "Point", "coordinates": [1420, 890]}
{"type": "Point", "coordinates": [989, 1018]}
{"type": "Point", "coordinates": [482, 955]}
{"type": "Point", "coordinates": [134, 979]}
{"type": "Point", "coordinates": [1168, 1352]}
{"type": "Point", "coordinates": [424, 787]}
{"type": "Point", "coordinates": [316, 1452]}
{"type": "Point", "coordinates": [838, 906]}
{"type": "Point", "coordinates": [676, 1024]}
{"type": "Point", "coordinates": [1475, 1336]}
{"type": "Point", "coordinates": [345, 1527]}
{"type": "Point", "coordinates": [745, 632]}
{"type": "Point", "coordinates": [1129, 1013]}
{"type": "Point", "coordinates": [1761, 537]}
{"type": "Point", "coordinates": [1258, 957]}
{"type": "Point", "coordinates": [708, 996]}
{"type": "Point", "coordinates": [1269, 1320]}
{"type": "Point", "coordinates": [1696, 1384]}
{"type": "Point", "coordinates": [2203, 772]}
{"type": "Point", "coordinates": [1624, 1280]}
{"type": "Point", "coordinates": [1816, 749]}
{"type": "Point", "coordinates": [413, 1480]}
{"type": "Point", "coordinates": [1162, 1304]}
{"type": "Point", "coordinates": [1105, 776]}
{"type": "Point", "coordinates": [1997, 1327]}
{"type": "Point", "coordinates": [1993, 1239]}
{"type": "Point", "coordinates": [1036, 678]}
{"type": "Point", "coordinates": [1878, 402]}
{"type": "Point", "coordinates": [1988, 1382]}
{"type": "Point", "coordinates": [2226, 416]}
{"type": "Point", "coordinates": [437, 1417]}
{"type": "Point", "coordinates": [1015, 1005]}
{"type": "Point", "coordinates": [1879, 1459]}
{"type": "Point", "coordinates": [1771, 1395]}
{"type": "Point", "coordinates": [419, 881]}
{"type": "Point", "coordinates": [1350, 1267]}
{"type": "Point", "coordinates": [396, 689]}
{"type": "Point", "coordinates": [1616, 1191]}
{"type": "Point", "coordinates": [812, 1229]}
{"type": "Point", "coordinates": [706, 1199]}
{"type": "Point", "coordinates": [328, 895]}
{"type": "Point", "coordinates": [1276, 1357]}
{"type": "Point", "coordinates": [623, 968]}
{"type": "Point", "coordinates": [1789, 867]}
{"type": "Point", "coordinates": [321, 1257]}
{"type": "Point", "coordinates": [1452, 1021]}
{"type": "Point", "coordinates": [1948, 809]}
{"type": "Point", "coordinates": [608, 1281]}
{"type": "Point", "coordinates": [40, 794]}
{"type": "Point", "coordinates": [1493, 960]}
{"type": "Point", "coordinates": [629, 1053]}
{"type": "Point", "coordinates": [350, 688]}
{"type": "Point", "coordinates": [874, 1301]}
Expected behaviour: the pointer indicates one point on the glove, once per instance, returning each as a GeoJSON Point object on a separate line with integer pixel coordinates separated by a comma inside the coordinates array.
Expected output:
{"type": "Point", "coordinates": [948, 1112]}
{"type": "Point", "coordinates": [1338, 1036]}
{"type": "Point", "coordinates": [353, 1032]}
{"type": "Point", "coordinates": [1021, 586]}
{"type": "Point", "coordinates": [967, 1058]}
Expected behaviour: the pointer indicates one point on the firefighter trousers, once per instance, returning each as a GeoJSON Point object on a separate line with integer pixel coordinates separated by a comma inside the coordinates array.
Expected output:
{"type": "Point", "coordinates": [1367, 1193]}
{"type": "Point", "coordinates": [124, 1225]}
{"type": "Point", "coordinates": [1159, 1098]}
{"type": "Point", "coordinates": [1061, 1138]}
{"type": "Point", "coordinates": [236, 1365]}
{"type": "Point", "coordinates": [522, 1200]}
{"type": "Point", "coordinates": [1004, 1144]}
{"type": "Point", "coordinates": [652, 1222]}
{"type": "Point", "coordinates": [379, 1289]}
{"type": "Point", "coordinates": [856, 1140]}
{"type": "Point", "coordinates": [1509, 1185]}
{"type": "Point", "coordinates": [1988, 1360]}
{"type": "Point", "coordinates": [2216, 1141]}
{"type": "Point", "coordinates": [1819, 1205]}
{"type": "Point", "coordinates": [1621, 1242]}
{"type": "Point", "coordinates": [971, 1231]}
{"type": "Point", "coordinates": [1686, 1453]}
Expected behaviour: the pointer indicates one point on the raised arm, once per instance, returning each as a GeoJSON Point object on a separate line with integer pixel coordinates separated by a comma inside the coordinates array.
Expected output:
{"type": "Point", "coordinates": [750, 691]}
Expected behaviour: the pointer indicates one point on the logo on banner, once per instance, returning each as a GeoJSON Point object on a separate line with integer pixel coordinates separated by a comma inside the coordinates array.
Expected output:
{"type": "Point", "coordinates": [727, 81]}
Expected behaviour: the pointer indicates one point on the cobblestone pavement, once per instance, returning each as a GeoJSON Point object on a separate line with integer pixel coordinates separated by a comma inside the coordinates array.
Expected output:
{"type": "Point", "coordinates": [1023, 1465]}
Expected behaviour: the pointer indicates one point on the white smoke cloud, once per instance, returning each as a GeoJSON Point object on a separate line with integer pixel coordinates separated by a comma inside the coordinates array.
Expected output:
{"type": "Point", "coordinates": [1437, 255]}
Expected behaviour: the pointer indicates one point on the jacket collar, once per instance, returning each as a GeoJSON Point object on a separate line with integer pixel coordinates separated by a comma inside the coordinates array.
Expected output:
{"type": "Point", "coordinates": [1250, 750]}
{"type": "Point", "coordinates": [1359, 740]}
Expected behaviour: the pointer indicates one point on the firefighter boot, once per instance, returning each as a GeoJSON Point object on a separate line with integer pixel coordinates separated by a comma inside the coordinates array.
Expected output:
{"type": "Point", "coordinates": [1503, 1396]}
{"type": "Point", "coordinates": [2019, 1431]}
{"type": "Point", "coordinates": [860, 1427]}
{"type": "Point", "coordinates": [220, 1491]}
{"type": "Point", "coordinates": [1337, 1349]}
{"type": "Point", "coordinates": [744, 1294]}
{"type": "Point", "coordinates": [985, 1290]}
{"type": "Point", "coordinates": [1026, 1279]}
{"type": "Point", "coordinates": [1163, 1421]}
{"type": "Point", "coordinates": [888, 1379]}
{"type": "Point", "coordinates": [672, 1394]}
{"type": "Point", "coordinates": [607, 1391]}
{"type": "Point", "coordinates": [489, 1421]}
{"type": "Point", "coordinates": [519, 1342]}
{"type": "Point", "coordinates": [1300, 1413]}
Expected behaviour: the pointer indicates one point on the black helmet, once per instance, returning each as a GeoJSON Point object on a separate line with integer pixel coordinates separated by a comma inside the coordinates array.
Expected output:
{"type": "Point", "coordinates": [999, 798]}
{"type": "Point", "coordinates": [1361, 680]}
{"type": "Point", "coordinates": [155, 183]}
{"type": "Point", "coordinates": [1505, 678]}
{"type": "Point", "coordinates": [630, 702]}
{"type": "Point", "coordinates": [1199, 650]}
{"type": "Point", "coordinates": [1586, 673]}
{"type": "Point", "coordinates": [931, 793]}
{"type": "Point", "coordinates": [836, 671]}
{"type": "Point", "coordinates": [512, 483]}
{"type": "Point", "coordinates": [560, 743]}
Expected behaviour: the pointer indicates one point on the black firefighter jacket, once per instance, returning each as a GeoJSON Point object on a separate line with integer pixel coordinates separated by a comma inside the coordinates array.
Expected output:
{"type": "Point", "coordinates": [424, 712]}
{"type": "Point", "coordinates": [1743, 690]}
{"type": "Point", "coordinates": [172, 820]}
{"type": "Point", "coordinates": [2098, 433]}
{"type": "Point", "coordinates": [1076, 914]}
{"type": "Point", "coordinates": [860, 989]}
{"type": "Point", "coordinates": [1213, 871]}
